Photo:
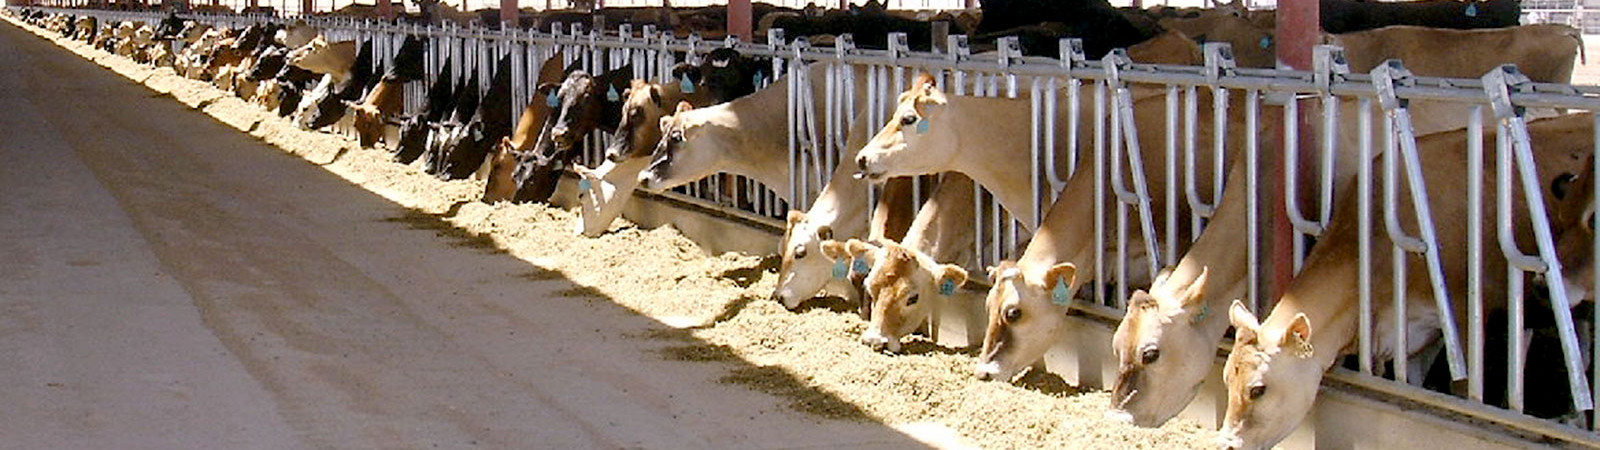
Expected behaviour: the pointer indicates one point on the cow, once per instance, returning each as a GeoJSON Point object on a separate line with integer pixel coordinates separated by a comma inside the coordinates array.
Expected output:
{"type": "Point", "coordinates": [723, 75]}
{"type": "Point", "coordinates": [1252, 45]}
{"type": "Point", "coordinates": [387, 99]}
{"type": "Point", "coordinates": [1544, 53]}
{"type": "Point", "coordinates": [508, 160]}
{"type": "Point", "coordinates": [901, 277]}
{"type": "Point", "coordinates": [1101, 26]}
{"type": "Point", "coordinates": [414, 130]}
{"type": "Point", "coordinates": [1575, 211]}
{"type": "Point", "coordinates": [638, 132]}
{"type": "Point", "coordinates": [343, 80]}
{"type": "Point", "coordinates": [1344, 16]}
{"type": "Point", "coordinates": [1276, 365]}
{"type": "Point", "coordinates": [296, 35]}
{"type": "Point", "coordinates": [747, 136]}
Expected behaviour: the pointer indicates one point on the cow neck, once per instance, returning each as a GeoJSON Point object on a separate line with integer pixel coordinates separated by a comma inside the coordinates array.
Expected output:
{"type": "Point", "coordinates": [757, 127]}
{"type": "Point", "coordinates": [1217, 252]}
{"type": "Point", "coordinates": [1003, 170]}
{"type": "Point", "coordinates": [943, 224]}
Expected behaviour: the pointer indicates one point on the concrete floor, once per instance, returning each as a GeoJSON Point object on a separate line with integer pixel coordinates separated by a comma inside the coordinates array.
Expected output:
{"type": "Point", "coordinates": [168, 282]}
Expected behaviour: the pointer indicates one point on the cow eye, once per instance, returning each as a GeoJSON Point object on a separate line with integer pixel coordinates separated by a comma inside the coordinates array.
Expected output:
{"type": "Point", "coordinates": [1012, 313]}
{"type": "Point", "coordinates": [677, 135]}
{"type": "Point", "coordinates": [800, 252]}
{"type": "Point", "coordinates": [1150, 355]}
{"type": "Point", "coordinates": [1257, 391]}
{"type": "Point", "coordinates": [908, 119]}
{"type": "Point", "coordinates": [912, 300]}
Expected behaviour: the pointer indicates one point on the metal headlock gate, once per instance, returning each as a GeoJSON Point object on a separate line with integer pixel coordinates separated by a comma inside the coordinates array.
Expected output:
{"type": "Point", "coordinates": [820, 122]}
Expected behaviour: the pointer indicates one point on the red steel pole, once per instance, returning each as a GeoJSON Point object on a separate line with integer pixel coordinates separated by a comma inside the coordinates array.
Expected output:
{"type": "Point", "coordinates": [739, 19]}
{"type": "Point", "coordinates": [1298, 30]}
{"type": "Point", "coordinates": [508, 13]}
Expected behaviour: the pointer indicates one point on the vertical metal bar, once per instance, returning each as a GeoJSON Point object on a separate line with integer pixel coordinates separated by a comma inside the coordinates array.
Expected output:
{"type": "Point", "coordinates": [1252, 202]}
{"type": "Point", "coordinates": [1475, 318]}
{"type": "Point", "coordinates": [1364, 244]}
{"type": "Point", "coordinates": [1172, 174]}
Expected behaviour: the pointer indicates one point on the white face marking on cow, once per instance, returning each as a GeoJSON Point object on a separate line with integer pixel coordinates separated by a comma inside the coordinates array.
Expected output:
{"type": "Point", "coordinates": [912, 142]}
{"type": "Point", "coordinates": [1164, 349]}
{"type": "Point", "coordinates": [1271, 378]}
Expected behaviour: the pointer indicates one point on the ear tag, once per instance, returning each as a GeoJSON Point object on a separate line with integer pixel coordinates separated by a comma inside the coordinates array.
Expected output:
{"type": "Point", "coordinates": [841, 270]}
{"type": "Point", "coordinates": [758, 79]}
{"type": "Point", "coordinates": [685, 85]}
{"type": "Point", "coordinates": [584, 184]}
{"type": "Point", "coordinates": [922, 126]}
{"type": "Point", "coordinates": [552, 101]}
{"type": "Point", "coordinates": [1266, 41]}
{"type": "Point", "coordinates": [861, 266]}
{"type": "Point", "coordinates": [1205, 310]}
{"type": "Point", "coordinates": [947, 287]}
{"type": "Point", "coordinates": [1472, 10]}
{"type": "Point", "coordinates": [1060, 296]}
{"type": "Point", "coordinates": [611, 94]}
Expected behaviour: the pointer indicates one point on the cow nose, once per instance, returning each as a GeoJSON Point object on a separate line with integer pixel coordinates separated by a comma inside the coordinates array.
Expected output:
{"type": "Point", "coordinates": [874, 341]}
{"type": "Point", "coordinates": [861, 163]}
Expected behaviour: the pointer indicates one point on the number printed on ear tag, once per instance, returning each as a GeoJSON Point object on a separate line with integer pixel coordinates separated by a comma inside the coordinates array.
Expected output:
{"type": "Point", "coordinates": [1060, 295]}
{"type": "Point", "coordinates": [947, 287]}
{"type": "Point", "coordinates": [841, 270]}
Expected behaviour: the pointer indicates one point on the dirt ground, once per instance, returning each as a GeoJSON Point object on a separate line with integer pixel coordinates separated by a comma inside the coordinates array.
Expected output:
{"type": "Point", "coordinates": [419, 315]}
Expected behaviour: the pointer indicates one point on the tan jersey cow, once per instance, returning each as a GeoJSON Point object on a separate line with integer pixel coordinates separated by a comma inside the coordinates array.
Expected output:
{"type": "Point", "coordinates": [901, 277]}
{"type": "Point", "coordinates": [1276, 365]}
{"type": "Point", "coordinates": [611, 185]}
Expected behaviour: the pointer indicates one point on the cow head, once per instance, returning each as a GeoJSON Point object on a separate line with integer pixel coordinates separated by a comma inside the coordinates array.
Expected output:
{"type": "Point", "coordinates": [691, 147]}
{"type": "Point", "coordinates": [408, 61]}
{"type": "Point", "coordinates": [268, 64]}
{"type": "Point", "coordinates": [1164, 348]}
{"type": "Point", "coordinates": [725, 74]}
{"type": "Point", "coordinates": [904, 285]}
{"type": "Point", "coordinates": [502, 163]}
{"type": "Point", "coordinates": [585, 103]}
{"type": "Point", "coordinates": [803, 270]}
{"type": "Point", "coordinates": [602, 191]}
{"type": "Point", "coordinates": [638, 129]}
{"type": "Point", "coordinates": [296, 35]}
{"type": "Point", "coordinates": [1026, 309]}
{"type": "Point", "coordinates": [1573, 214]}
{"type": "Point", "coordinates": [1271, 378]}
{"type": "Point", "coordinates": [909, 144]}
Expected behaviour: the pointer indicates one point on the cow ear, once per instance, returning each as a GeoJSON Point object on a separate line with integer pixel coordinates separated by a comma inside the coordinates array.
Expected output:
{"type": "Point", "coordinates": [684, 106]}
{"type": "Point", "coordinates": [1142, 300]}
{"type": "Point", "coordinates": [1060, 273]}
{"type": "Point", "coordinates": [686, 71]}
{"type": "Point", "coordinates": [861, 249]}
{"type": "Point", "coordinates": [795, 217]}
{"type": "Point", "coordinates": [950, 275]}
{"type": "Point", "coordinates": [1244, 322]}
{"type": "Point", "coordinates": [1195, 294]}
{"type": "Point", "coordinates": [1562, 185]}
{"type": "Point", "coordinates": [576, 65]}
{"type": "Point", "coordinates": [1297, 340]}
{"type": "Point", "coordinates": [834, 250]}
{"type": "Point", "coordinates": [655, 95]}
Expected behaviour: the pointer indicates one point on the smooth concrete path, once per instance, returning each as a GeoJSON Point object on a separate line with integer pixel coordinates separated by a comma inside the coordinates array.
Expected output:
{"type": "Point", "coordinates": [168, 282]}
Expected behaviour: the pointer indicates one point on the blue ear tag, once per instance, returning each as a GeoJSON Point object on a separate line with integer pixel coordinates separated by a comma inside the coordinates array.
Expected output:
{"type": "Point", "coordinates": [685, 85]}
{"type": "Point", "coordinates": [552, 101]}
{"type": "Point", "coordinates": [611, 94]}
{"type": "Point", "coordinates": [861, 266]}
{"type": "Point", "coordinates": [840, 270]}
{"type": "Point", "coordinates": [922, 126]}
{"type": "Point", "coordinates": [947, 287]}
{"type": "Point", "coordinates": [1060, 296]}
{"type": "Point", "coordinates": [1266, 41]}
{"type": "Point", "coordinates": [758, 79]}
{"type": "Point", "coordinates": [1205, 310]}
{"type": "Point", "coordinates": [1472, 10]}
{"type": "Point", "coordinates": [584, 184]}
